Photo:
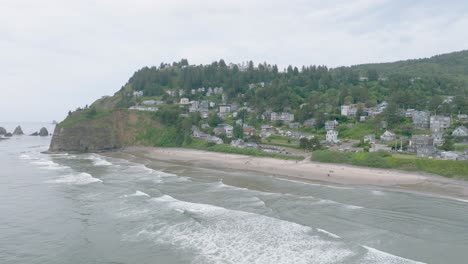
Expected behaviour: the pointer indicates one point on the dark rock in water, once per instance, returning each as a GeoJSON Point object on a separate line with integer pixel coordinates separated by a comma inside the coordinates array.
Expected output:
{"type": "Point", "coordinates": [18, 131]}
{"type": "Point", "coordinates": [43, 132]}
{"type": "Point", "coordinates": [2, 131]}
{"type": "Point", "coordinates": [8, 135]}
{"type": "Point", "coordinates": [35, 134]}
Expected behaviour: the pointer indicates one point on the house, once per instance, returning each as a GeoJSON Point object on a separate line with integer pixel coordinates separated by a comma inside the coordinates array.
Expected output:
{"type": "Point", "coordinates": [239, 122]}
{"type": "Point", "coordinates": [460, 131]}
{"type": "Point", "coordinates": [151, 102]}
{"type": "Point", "coordinates": [203, 106]}
{"type": "Point", "coordinates": [380, 147]}
{"type": "Point", "coordinates": [205, 126]}
{"type": "Point", "coordinates": [267, 128]}
{"type": "Point", "coordinates": [383, 125]}
{"type": "Point", "coordinates": [409, 113]}
{"type": "Point", "coordinates": [249, 131]}
{"type": "Point", "coordinates": [196, 133]}
{"type": "Point", "coordinates": [224, 108]}
{"type": "Point", "coordinates": [388, 136]}
{"type": "Point", "coordinates": [330, 125]}
{"type": "Point", "coordinates": [294, 125]}
{"type": "Point", "coordinates": [419, 141]}
{"type": "Point", "coordinates": [224, 129]}
{"type": "Point", "coordinates": [382, 106]}
{"type": "Point", "coordinates": [309, 122]}
{"type": "Point", "coordinates": [184, 101]}
{"type": "Point", "coordinates": [214, 139]}
{"type": "Point", "coordinates": [144, 108]}
{"type": "Point", "coordinates": [439, 123]}
{"type": "Point", "coordinates": [239, 143]}
{"type": "Point", "coordinates": [332, 136]}
{"type": "Point", "coordinates": [426, 152]}
{"type": "Point", "coordinates": [138, 93]}
{"type": "Point", "coordinates": [204, 114]}
{"type": "Point", "coordinates": [421, 119]}
{"type": "Point", "coordinates": [369, 139]}
{"type": "Point", "coordinates": [462, 117]}
{"type": "Point", "coordinates": [438, 138]}
{"type": "Point", "coordinates": [349, 110]}
{"type": "Point", "coordinates": [363, 118]}
{"type": "Point", "coordinates": [284, 116]}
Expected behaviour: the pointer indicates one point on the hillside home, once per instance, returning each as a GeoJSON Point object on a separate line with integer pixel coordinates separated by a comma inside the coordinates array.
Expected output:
{"type": "Point", "coordinates": [249, 131]}
{"type": "Point", "coordinates": [439, 123]}
{"type": "Point", "coordinates": [438, 138]}
{"type": "Point", "coordinates": [224, 129]}
{"type": "Point", "coordinates": [138, 93]}
{"type": "Point", "coordinates": [460, 131]}
{"type": "Point", "coordinates": [332, 136]}
{"type": "Point", "coordinates": [421, 119]}
{"type": "Point", "coordinates": [349, 110]}
{"type": "Point", "coordinates": [420, 141]}
{"type": "Point", "coordinates": [426, 152]}
{"type": "Point", "coordinates": [224, 108]}
{"type": "Point", "coordinates": [369, 139]}
{"type": "Point", "coordinates": [330, 125]}
{"type": "Point", "coordinates": [184, 101]}
{"type": "Point", "coordinates": [294, 125]}
{"type": "Point", "coordinates": [388, 136]}
{"type": "Point", "coordinates": [309, 122]}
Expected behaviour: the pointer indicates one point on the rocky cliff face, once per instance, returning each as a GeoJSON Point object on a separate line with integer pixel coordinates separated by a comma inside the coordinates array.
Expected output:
{"type": "Point", "coordinates": [112, 131]}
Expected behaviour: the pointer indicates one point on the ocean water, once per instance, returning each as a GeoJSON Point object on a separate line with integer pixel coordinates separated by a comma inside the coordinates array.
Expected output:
{"type": "Point", "coordinates": [89, 208]}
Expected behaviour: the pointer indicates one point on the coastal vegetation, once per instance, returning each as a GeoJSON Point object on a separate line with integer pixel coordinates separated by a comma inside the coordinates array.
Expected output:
{"type": "Point", "coordinates": [385, 160]}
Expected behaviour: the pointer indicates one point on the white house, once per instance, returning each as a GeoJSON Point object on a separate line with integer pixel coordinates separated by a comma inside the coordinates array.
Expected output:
{"type": "Point", "coordinates": [138, 93]}
{"type": "Point", "coordinates": [330, 125]}
{"type": "Point", "coordinates": [439, 123]}
{"type": "Point", "coordinates": [332, 136]}
{"type": "Point", "coordinates": [224, 108]}
{"type": "Point", "coordinates": [388, 136]}
{"type": "Point", "coordinates": [348, 110]}
{"type": "Point", "coordinates": [184, 101]}
{"type": "Point", "coordinates": [460, 131]}
{"type": "Point", "coordinates": [369, 139]}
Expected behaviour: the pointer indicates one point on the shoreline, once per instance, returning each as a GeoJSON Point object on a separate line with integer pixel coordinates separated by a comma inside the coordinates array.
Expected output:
{"type": "Point", "coordinates": [308, 171]}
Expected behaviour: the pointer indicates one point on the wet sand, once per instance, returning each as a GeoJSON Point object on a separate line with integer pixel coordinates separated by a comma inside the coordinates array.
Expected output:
{"type": "Point", "coordinates": [307, 170]}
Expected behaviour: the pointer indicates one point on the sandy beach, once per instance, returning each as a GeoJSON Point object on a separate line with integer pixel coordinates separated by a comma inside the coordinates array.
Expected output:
{"type": "Point", "coordinates": [307, 170]}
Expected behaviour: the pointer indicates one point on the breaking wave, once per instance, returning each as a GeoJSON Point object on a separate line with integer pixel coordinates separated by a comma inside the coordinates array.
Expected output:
{"type": "Point", "coordinates": [78, 179]}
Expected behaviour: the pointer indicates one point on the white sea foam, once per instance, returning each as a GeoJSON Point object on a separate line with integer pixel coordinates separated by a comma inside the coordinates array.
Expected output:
{"type": "Point", "coordinates": [137, 193]}
{"type": "Point", "coordinates": [98, 161]}
{"type": "Point", "coordinates": [376, 192]}
{"type": "Point", "coordinates": [49, 165]}
{"type": "Point", "coordinates": [27, 157]}
{"type": "Point", "coordinates": [317, 184]}
{"type": "Point", "coordinates": [78, 179]}
{"type": "Point", "coordinates": [376, 256]}
{"type": "Point", "coordinates": [219, 235]}
{"type": "Point", "coordinates": [328, 233]}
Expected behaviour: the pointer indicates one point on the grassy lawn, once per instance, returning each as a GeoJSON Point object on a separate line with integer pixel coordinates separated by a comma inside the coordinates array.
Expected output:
{"type": "Point", "coordinates": [83, 115]}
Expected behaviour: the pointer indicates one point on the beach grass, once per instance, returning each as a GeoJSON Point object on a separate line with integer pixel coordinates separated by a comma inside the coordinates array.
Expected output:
{"type": "Point", "coordinates": [223, 148]}
{"type": "Point", "coordinates": [447, 168]}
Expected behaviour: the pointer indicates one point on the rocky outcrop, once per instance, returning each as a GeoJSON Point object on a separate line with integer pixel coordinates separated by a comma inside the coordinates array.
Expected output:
{"type": "Point", "coordinates": [8, 134]}
{"type": "Point", "coordinates": [35, 134]}
{"type": "Point", "coordinates": [43, 132]}
{"type": "Point", "coordinates": [110, 132]}
{"type": "Point", "coordinates": [18, 131]}
{"type": "Point", "coordinates": [2, 131]}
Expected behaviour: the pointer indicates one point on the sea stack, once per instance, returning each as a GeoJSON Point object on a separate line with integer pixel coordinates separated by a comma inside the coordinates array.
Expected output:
{"type": "Point", "coordinates": [3, 131]}
{"type": "Point", "coordinates": [43, 132]}
{"type": "Point", "coordinates": [18, 131]}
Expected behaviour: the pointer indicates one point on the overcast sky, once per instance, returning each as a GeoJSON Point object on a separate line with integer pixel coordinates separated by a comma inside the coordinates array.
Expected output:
{"type": "Point", "coordinates": [56, 55]}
